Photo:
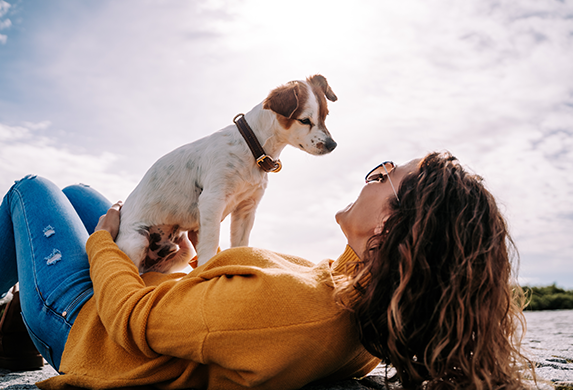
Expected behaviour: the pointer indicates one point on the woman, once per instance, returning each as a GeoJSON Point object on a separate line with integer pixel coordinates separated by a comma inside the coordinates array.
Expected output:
{"type": "Point", "coordinates": [437, 299]}
{"type": "Point", "coordinates": [424, 284]}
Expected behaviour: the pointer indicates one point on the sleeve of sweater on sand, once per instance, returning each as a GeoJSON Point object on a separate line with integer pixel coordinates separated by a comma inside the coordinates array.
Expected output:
{"type": "Point", "coordinates": [123, 300]}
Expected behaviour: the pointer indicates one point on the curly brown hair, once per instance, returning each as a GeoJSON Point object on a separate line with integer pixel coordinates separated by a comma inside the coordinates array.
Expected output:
{"type": "Point", "coordinates": [437, 296]}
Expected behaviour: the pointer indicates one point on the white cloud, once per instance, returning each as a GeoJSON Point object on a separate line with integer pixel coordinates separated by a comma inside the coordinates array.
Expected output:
{"type": "Point", "coordinates": [5, 23]}
{"type": "Point", "coordinates": [24, 151]}
{"type": "Point", "coordinates": [488, 80]}
{"type": "Point", "coordinates": [43, 125]}
{"type": "Point", "coordinates": [4, 7]}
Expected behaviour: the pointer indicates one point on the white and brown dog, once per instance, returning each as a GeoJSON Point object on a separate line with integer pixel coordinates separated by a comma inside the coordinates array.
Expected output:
{"type": "Point", "coordinates": [194, 187]}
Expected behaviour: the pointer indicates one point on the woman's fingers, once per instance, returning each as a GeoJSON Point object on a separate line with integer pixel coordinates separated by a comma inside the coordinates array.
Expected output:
{"type": "Point", "coordinates": [110, 221]}
{"type": "Point", "coordinates": [117, 205]}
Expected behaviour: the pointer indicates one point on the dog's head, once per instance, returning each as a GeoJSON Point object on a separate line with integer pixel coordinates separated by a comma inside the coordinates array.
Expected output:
{"type": "Point", "coordinates": [301, 110]}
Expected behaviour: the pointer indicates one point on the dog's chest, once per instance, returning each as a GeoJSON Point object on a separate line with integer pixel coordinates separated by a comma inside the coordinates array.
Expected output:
{"type": "Point", "coordinates": [245, 191]}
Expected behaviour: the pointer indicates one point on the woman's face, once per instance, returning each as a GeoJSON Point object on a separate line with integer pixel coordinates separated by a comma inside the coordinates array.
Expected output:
{"type": "Point", "coordinates": [365, 217]}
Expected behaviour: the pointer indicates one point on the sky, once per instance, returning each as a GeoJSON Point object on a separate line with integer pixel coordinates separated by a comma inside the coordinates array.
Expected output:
{"type": "Point", "coordinates": [96, 91]}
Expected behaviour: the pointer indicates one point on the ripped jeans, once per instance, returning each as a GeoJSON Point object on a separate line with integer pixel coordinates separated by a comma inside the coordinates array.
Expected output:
{"type": "Point", "coordinates": [43, 232]}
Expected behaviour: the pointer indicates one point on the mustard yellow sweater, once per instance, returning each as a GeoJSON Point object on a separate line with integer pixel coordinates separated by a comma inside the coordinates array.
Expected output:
{"type": "Point", "coordinates": [249, 318]}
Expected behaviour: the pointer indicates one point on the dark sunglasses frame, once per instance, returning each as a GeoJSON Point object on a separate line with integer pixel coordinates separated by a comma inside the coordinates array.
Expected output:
{"type": "Point", "coordinates": [381, 177]}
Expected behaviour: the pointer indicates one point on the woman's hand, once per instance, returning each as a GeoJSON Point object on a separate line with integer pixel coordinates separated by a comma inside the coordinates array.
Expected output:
{"type": "Point", "coordinates": [110, 221]}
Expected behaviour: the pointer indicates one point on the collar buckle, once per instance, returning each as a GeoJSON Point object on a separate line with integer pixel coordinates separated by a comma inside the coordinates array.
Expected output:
{"type": "Point", "coordinates": [267, 164]}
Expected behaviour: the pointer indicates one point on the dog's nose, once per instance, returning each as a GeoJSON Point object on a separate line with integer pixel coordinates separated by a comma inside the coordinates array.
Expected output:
{"type": "Point", "coordinates": [330, 144]}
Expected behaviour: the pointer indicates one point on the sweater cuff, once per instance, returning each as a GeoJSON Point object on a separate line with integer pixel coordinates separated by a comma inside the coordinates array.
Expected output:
{"type": "Point", "coordinates": [99, 235]}
{"type": "Point", "coordinates": [99, 240]}
{"type": "Point", "coordinates": [96, 238]}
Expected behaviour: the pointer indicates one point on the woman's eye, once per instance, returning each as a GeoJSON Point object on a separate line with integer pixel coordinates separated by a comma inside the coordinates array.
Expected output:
{"type": "Point", "coordinates": [304, 121]}
{"type": "Point", "coordinates": [381, 178]}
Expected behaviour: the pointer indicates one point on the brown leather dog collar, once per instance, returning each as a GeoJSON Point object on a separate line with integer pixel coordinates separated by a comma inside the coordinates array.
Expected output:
{"type": "Point", "coordinates": [263, 160]}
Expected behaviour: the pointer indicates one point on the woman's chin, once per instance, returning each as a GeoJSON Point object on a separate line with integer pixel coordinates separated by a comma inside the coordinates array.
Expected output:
{"type": "Point", "coordinates": [340, 214]}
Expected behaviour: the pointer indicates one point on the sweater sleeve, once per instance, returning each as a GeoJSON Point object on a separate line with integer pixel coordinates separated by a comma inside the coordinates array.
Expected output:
{"type": "Point", "coordinates": [123, 300]}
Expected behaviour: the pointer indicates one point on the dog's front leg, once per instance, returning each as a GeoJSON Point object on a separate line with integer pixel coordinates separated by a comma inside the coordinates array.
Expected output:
{"type": "Point", "coordinates": [243, 219]}
{"type": "Point", "coordinates": [211, 210]}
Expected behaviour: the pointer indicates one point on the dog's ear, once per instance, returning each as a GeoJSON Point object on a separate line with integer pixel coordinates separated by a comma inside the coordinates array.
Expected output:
{"type": "Point", "coordinates": [286, 99]}
{"type": "Point", "coordinates": [320, 82]}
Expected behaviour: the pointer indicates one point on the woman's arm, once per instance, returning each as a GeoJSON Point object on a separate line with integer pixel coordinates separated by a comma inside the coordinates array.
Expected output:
{"type": "Point", "coordinates": [123, 300]}
{"type": "Point", "coordinates": [121, 297]}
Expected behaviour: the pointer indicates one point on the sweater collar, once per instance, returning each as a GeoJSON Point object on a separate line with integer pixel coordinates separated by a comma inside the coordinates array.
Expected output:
{"type": "Point", "coordinates": [345, 265]}
{"type": "Point", "coordinates": [346, 262]}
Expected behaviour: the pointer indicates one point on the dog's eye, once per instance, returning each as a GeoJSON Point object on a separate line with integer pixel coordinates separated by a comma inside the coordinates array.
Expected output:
{"type": "Point", "coordinates": [305, 121]}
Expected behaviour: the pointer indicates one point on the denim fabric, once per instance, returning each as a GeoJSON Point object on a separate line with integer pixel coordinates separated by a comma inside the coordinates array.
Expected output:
{"type": "Point", "coordinates": [42, 240]}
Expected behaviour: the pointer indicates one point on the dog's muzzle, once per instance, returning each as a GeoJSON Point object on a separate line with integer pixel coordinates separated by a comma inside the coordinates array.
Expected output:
{"type": "Point", "coordinates": [330, 145]}
{"type": "Point", "coordinates": [326, 146]}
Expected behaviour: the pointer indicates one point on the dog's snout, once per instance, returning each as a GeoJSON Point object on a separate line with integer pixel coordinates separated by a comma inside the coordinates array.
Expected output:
{"type": "Point", "coordinates": [330, 144]}
{"type": "Point", "coordinates": [326, 146]}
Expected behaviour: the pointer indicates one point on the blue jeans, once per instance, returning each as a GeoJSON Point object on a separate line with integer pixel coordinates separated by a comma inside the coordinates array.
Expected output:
{"type": "Point", "coordinates": [43, 232]}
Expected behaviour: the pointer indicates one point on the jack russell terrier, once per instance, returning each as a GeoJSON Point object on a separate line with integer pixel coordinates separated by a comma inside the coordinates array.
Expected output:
{"type": "Point", "coordinates": [193, 188]}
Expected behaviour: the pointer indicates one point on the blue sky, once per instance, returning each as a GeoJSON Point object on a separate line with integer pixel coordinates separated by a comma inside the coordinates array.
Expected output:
{"type": "Point", "coordinates": [96, 91]}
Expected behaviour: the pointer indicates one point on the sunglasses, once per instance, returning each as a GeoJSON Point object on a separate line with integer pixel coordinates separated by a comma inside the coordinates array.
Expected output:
{"type": "Point", "coordinates": [381, 173]}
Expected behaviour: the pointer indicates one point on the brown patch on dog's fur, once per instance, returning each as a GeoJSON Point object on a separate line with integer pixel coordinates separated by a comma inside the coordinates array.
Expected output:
{"type": "Point", "coordinates": [163, 245]}
{"type": "Point", "coordinates": [320, 82]}
{"type": "Point", "coordinates": [320, 88]}
{"type": "Point", "coordinates": [288, 101]}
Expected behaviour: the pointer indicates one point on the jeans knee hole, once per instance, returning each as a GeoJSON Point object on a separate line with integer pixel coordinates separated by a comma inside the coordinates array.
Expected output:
{"type": "Point", "coordinates": [49, 231]}
{"type": "Point", "coordinates": [27, 177]}
{"type": "Point", "coordinates": [54, 257]}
